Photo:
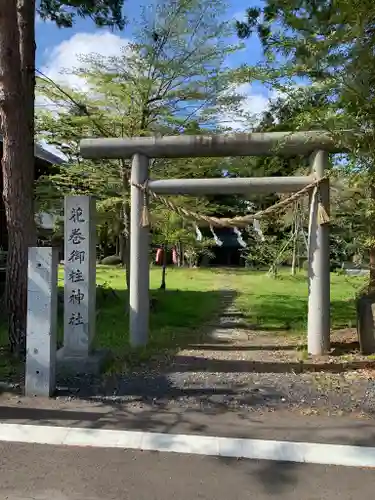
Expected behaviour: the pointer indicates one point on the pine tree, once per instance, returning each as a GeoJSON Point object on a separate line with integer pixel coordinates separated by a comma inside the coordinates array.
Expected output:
{"type": "Point", "coordinates": [330, 45]}
{"type": "Point", "coordinates": [17, 62]}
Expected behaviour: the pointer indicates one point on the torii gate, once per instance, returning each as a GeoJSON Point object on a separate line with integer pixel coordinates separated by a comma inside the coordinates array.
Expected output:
{"type": "Point", "coordinates": [317, 144]}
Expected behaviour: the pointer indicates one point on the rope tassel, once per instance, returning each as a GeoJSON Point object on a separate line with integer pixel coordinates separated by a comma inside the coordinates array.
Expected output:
{"type": "Point", "coordinates": [323, 217]}
{"type": "Point", "coordinates": [145, 217]}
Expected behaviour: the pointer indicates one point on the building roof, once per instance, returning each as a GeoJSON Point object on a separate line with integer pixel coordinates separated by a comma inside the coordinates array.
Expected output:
{"type": "Point", "coordinates": [230, 237]}
{"type": "Point", "coordinates": [43, 154]}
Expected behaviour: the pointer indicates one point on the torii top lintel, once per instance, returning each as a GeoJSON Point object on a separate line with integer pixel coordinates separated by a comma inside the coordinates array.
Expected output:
{"type": "Point", "coordinates": [182, 146]}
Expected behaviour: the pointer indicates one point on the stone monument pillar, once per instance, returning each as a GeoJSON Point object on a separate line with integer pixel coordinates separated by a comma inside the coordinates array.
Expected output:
{"type": "Point", "coordinates": [41, 330]}
{"type": "Point", "coordinates": [80, 275]}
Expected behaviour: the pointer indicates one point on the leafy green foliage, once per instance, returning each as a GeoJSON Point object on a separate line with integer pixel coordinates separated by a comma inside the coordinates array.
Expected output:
{"type": "Point", "coordinates": [323, 51]}
{"type": "Point", "coordinates": [170, 79]}
{"type": "Point", "coordinates": [65, 12]}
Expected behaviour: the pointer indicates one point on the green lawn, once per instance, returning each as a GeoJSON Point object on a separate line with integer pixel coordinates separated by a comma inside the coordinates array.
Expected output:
{"type": "Point", "coordinates": [281, 304]}
{"type": "Point", "coordinates": [178, 315]}
{"type": "Point", "coordinates": [192, 298]}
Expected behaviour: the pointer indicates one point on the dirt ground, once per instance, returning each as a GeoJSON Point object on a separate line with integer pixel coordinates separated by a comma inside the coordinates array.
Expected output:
{"type": "Point", "coordinates": [280, 352]}
{"type": "Point", "coordinates": [240, 368]}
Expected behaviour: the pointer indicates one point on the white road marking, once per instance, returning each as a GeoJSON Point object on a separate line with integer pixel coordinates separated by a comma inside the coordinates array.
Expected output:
{"type": "Point", "coordinates": [285, 451]}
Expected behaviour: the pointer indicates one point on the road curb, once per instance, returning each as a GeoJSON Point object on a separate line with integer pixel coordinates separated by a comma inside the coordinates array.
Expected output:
{"type": "Point", "coordinates": [283, 451]}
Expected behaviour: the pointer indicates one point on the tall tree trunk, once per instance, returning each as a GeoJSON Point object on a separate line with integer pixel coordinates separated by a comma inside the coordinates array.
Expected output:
{"type": "Point", "coordinates": [18, 156]}
{"type": "Point", "coordinates": [179, 254]}
{"type": "Point", "coordinates": [125, 237]}
{"type": "Point", "coordinates": [371, 289]}
{"type": "Point", "coordinates": [372, 270]}
{"type": "Point", "coordinates": [118, 246]}
{"type": "Point", "coordinates": [26, 30]}
{"type": "Point", "coordinates": [294, 249]}
{"type": "Point", "coordinates": [163, 284]}
{"type": "Point", "coordinates": [123, 252]}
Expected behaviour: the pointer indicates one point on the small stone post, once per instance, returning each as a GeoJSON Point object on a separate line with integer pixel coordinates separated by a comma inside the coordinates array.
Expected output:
{"type": "Point", "coordinates": [318, 324]}
{"type": "Point", "coordinates": [80, 275]}
{"type": "Point", "coordinates": [139, 303]}
{"type": "Point", "coordinates": [41, 329]}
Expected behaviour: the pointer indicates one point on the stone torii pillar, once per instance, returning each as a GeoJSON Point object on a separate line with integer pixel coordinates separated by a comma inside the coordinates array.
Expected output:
{"type": "Point", "coordinates": [139, 256]}
{"type": "Point", "coordinates": [318, 321]}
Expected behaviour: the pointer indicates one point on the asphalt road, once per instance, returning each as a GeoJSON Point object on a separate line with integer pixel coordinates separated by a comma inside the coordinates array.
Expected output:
{"type": "Point", "coordinates": [39, 472]}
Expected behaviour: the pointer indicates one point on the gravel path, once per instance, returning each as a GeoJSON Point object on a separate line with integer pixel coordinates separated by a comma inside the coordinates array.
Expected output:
{"type": "Point", "coordinates": [307, 393]}
{"type": "Point", "coordinates": [241, 375]}
{"type": "Point", "coordinates": [239, 368]}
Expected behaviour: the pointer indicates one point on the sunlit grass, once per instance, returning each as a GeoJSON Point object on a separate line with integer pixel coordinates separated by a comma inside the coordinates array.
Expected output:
{"type": "Point", "coordinates": [179, 314]}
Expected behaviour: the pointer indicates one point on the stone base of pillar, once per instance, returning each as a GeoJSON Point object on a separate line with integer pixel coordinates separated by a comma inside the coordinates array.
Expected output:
{"type": "Point", "coordinates": [71, 364]}
{"type": "Point", "coordinates": [366, 323]}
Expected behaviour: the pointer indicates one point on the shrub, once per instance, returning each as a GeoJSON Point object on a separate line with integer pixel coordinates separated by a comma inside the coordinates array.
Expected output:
{"type": "Point", "coordinates": [111, 260]}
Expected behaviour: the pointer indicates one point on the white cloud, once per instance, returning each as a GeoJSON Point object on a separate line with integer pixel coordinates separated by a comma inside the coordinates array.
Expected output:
{"type": "Point", "coordinates": [65, 56]}
{"type": "Point", "coordinates": [254, 104]}
{"type": "Point", "coordinates": [240, 16]}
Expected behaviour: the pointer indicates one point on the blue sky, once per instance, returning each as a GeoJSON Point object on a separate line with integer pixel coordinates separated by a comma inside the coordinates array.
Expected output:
{"type": "Point", "coordinates": [48, 35]}
{"type": "Point", "coordinates": [58, 48]}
